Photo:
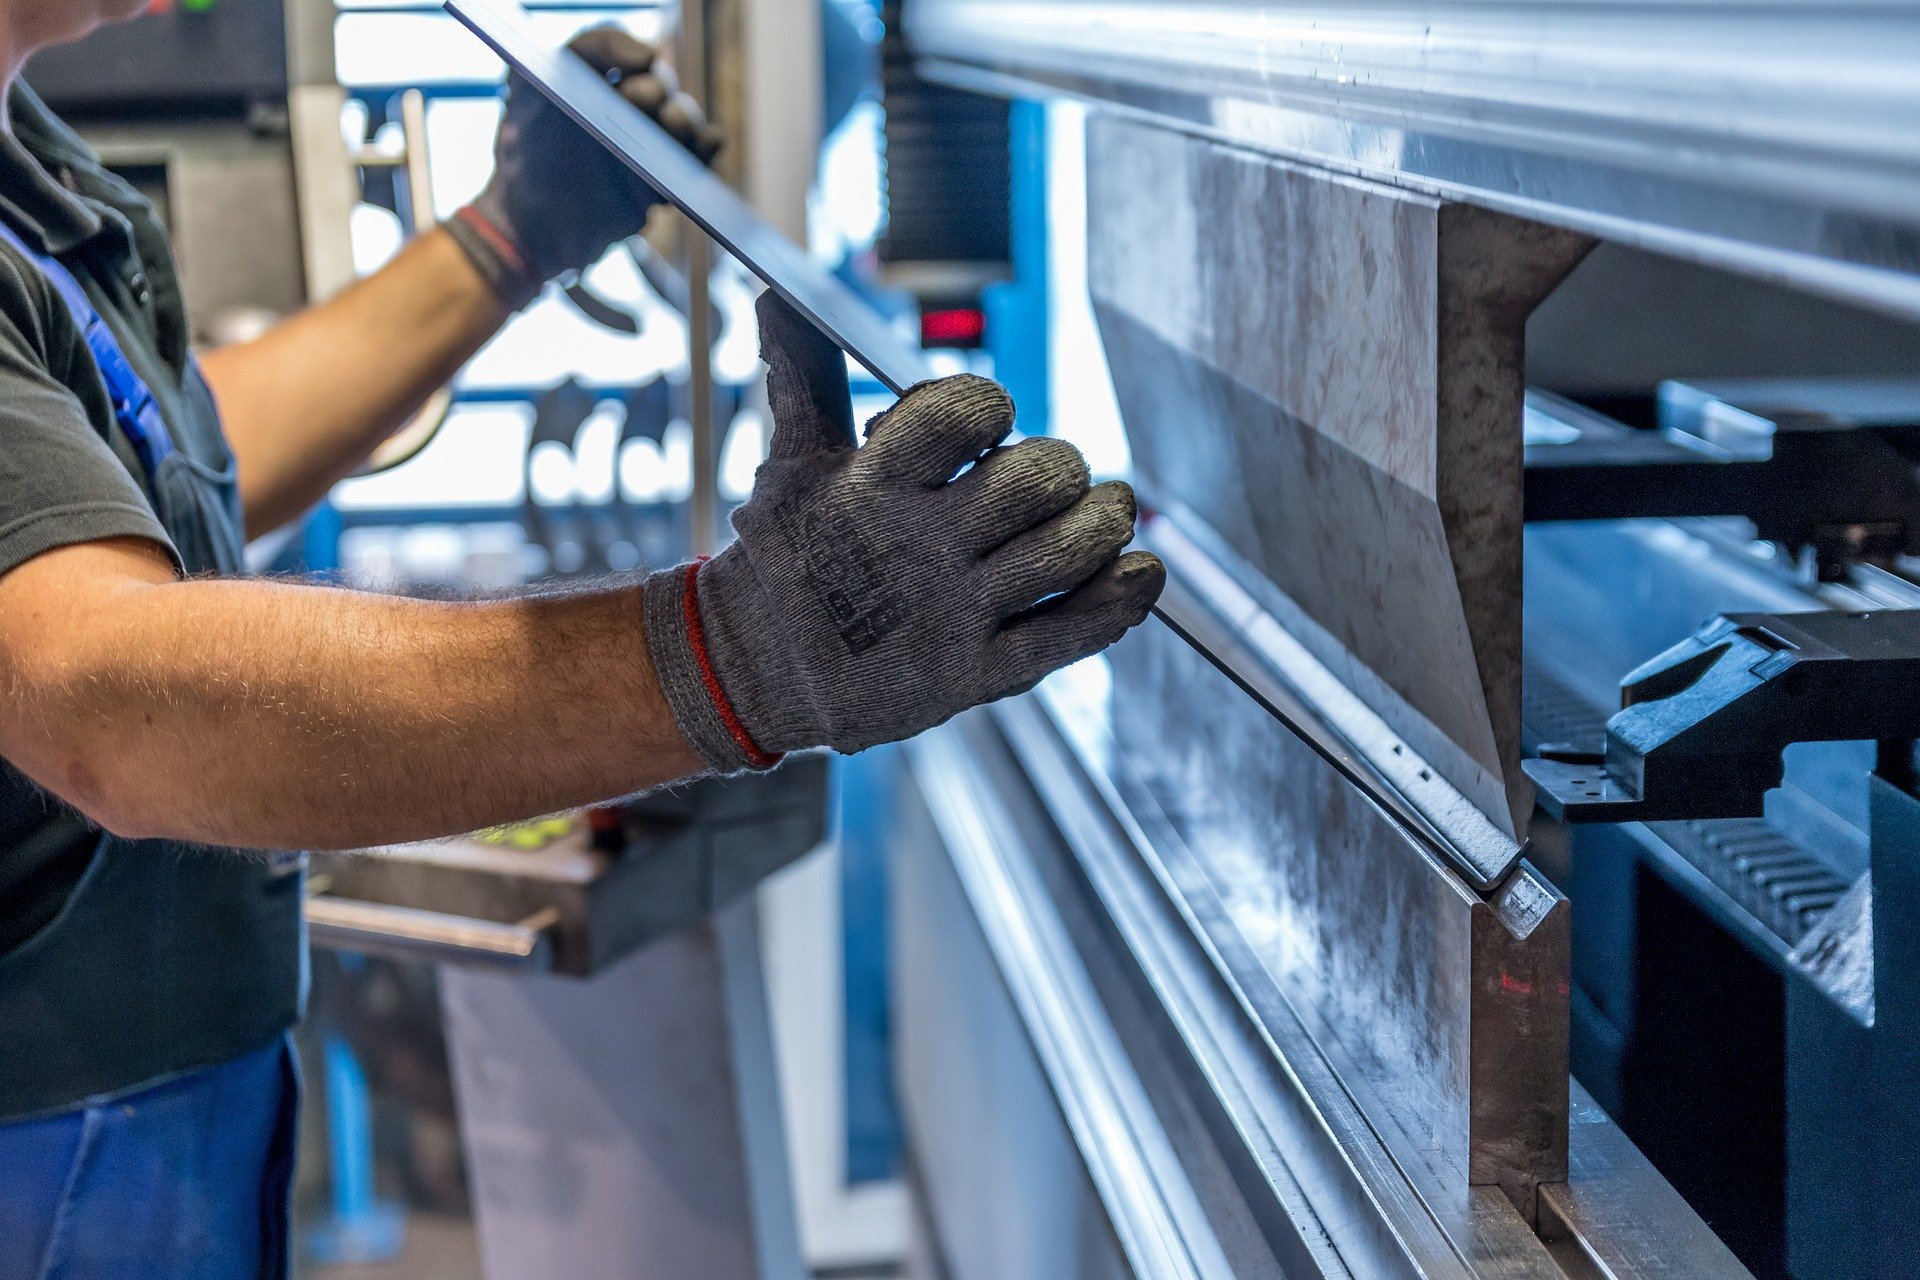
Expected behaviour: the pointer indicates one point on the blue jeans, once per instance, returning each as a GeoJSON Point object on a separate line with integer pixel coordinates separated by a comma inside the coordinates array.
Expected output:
{"type": "Point", "coordinates": [187, 1178]}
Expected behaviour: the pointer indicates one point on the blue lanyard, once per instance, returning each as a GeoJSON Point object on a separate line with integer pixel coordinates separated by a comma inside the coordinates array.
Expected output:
{"type": "Point", "coordinates": [134, 407]}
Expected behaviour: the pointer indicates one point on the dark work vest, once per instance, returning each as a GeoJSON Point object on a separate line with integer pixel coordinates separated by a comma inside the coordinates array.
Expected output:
{"type": "Point", "coordinates": [164, 958]}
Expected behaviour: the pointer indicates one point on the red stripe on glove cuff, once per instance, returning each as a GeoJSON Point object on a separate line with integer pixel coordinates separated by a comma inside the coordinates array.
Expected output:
{"type": "Point", "coordinates": [494, 236]}
{"type": "Point", "coordinates": [697, 640]}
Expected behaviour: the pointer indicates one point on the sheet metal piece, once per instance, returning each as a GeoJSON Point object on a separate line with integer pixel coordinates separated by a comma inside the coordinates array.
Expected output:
{"type": "Point", "coordinates": [670, 169]}
{"type": "Point", "coordinates": [650, 152]}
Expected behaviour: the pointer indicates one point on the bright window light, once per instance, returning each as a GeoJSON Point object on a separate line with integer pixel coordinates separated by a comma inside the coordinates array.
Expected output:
{"type": "Point", "coordinates": [431, 47]}
{"type": "Point", "coordinates": [1082, 407]}
{"type": "Point", "coordinates": [740, 457]}
{"type": "Point", "coordinates": [847, 207]}
{"type": "Point", "coordinates": [676, 453]}
{"type": "Point", "coordinates": [474, 461]}
{"type": "Point", "coordinates": [375, 235]}
{"type": "Point", "coordinates": [460, 149]}
{"type": "Point", "coordinates": [551, 472]}
{"type": "Point", "coordinates": [593, 449]}
{"type": "Point", "coordinates": [736, 348]}
{"type": "Point", "coordinates": [551, 340]}
{"type": "Point", "coordinates": [643, 472]}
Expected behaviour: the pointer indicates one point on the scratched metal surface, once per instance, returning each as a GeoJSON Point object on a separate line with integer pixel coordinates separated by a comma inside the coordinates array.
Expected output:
{"type": "Point", "coordinates": [1328, 373]}
{"type": "Point", "coordinates": [1443, 1012]}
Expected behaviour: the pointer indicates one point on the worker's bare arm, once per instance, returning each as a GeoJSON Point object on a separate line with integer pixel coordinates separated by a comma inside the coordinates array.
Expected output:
{"type": "Point", "coordinates": [281, 715]}
{"type": "Point", "coordinates": [305, 403]}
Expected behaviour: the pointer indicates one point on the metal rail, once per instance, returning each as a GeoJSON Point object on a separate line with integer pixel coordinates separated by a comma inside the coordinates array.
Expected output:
{"type": "Point", "coordinates": [1771, 139]}
{"type": "Point", "coordinates": [655, 156]}
{"type": "Point", "coordinates": [1136, 1171]}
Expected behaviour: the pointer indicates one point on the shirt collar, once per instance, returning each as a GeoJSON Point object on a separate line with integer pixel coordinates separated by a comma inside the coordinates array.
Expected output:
{"type": "Point", "coordinates": [43, 166]}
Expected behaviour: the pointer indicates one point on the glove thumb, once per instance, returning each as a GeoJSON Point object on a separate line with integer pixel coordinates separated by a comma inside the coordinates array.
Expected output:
{"type": "Point", "coordinates": [806, 383]}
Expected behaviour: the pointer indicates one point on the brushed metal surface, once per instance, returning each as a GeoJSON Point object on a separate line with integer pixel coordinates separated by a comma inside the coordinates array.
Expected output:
{"type": "Point", "coordinates": [1619, 1218]}
{"type": "Point", "coordinates": [1442, 1012]}
{"type": "Point", "coordinates": [1339, 1199]}
{"type": "Point", "coordinates": [1209, 603]}
{"type": "Point", "coordinates": [1772, 139]}
{"type": "Point", "coordinates": [1328, 372]}
{"type": "Point", "coordinates": [1333, 1199]}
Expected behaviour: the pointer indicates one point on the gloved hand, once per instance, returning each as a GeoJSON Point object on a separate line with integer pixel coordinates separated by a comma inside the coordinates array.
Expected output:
{"type": "Point", "coordinates": [872, 593]}
{"type": "Point", "coordinates": [558, 198]}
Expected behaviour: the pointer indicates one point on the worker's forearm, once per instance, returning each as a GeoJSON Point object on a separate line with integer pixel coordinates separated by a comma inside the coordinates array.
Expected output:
{"type": "Point", "coordinates": [306, 402]}
{"type": "Point", "coordinates": [279, 715]}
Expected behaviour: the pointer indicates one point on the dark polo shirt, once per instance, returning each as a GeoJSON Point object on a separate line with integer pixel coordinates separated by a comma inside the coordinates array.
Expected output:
{"type": "Point", "coordinates": [121, 962]}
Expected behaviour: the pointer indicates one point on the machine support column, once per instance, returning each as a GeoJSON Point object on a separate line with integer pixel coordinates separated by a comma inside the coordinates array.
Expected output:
{"type": "Point", "coordinates": [627, 1126]}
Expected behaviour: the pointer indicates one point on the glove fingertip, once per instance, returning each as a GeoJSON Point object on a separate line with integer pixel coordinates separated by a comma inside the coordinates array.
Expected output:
{"type": "Point", "coordinates": [939, 427]}
{"type": "Point", "coordinates": [1142, 576]}
{"type": "Point", "coordinates": [1120, 494]}
{"type": "Point", "coordinates": [1122, 594]}
{"type": "Point", "coordinates": [647, 92]}
{"type": "Point", "coordinates": [608, 48]}
{"type": "Point", "coordinates": [782, 327]}
{"type": "Point", "coordinates": [967, 392]}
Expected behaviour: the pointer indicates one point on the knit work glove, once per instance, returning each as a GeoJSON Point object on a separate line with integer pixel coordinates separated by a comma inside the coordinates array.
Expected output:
{"type": "Point", "coordinates": [557, 198]}
{"type": "Point", "coordinates": [874, 592]}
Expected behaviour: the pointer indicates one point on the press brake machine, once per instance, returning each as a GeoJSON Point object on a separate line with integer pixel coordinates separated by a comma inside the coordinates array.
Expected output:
{"type": "Point", "coordinates": [1243, 951]}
